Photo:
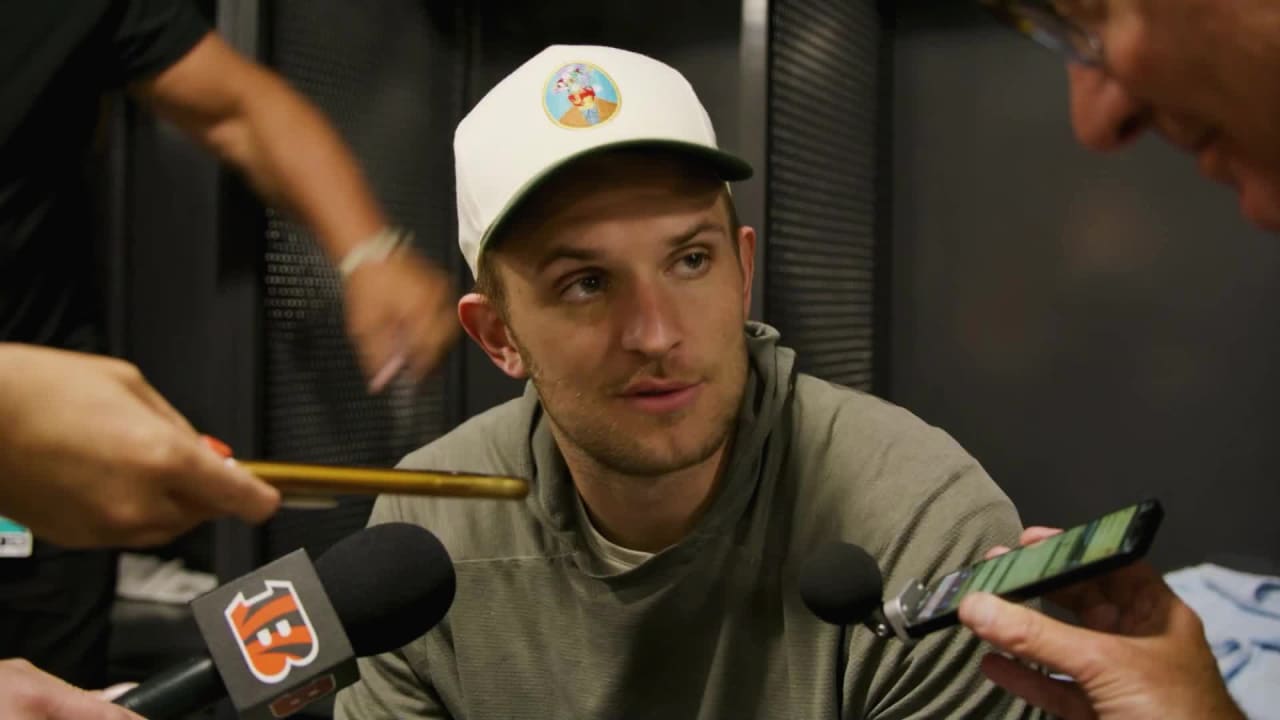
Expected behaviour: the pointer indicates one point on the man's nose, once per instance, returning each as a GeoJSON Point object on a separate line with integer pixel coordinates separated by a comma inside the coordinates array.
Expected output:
{"type": "Point", "coordinates": [1104, 114]}
{"type": "Point", "coordinates": [650, 325]}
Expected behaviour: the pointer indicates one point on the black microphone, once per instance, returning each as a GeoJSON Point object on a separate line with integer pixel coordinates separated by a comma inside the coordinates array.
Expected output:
{"type": "Point", "coordinates": [841, 584]}
{"type": "Point", "coordinates": [388, 585]}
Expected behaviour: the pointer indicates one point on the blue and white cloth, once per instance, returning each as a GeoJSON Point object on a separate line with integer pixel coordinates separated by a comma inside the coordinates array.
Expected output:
{"type": "Point", "coordinates": [1241, 615]}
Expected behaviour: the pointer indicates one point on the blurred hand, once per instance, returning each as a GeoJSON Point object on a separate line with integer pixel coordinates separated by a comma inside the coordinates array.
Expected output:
{"type": "Point", "coordinates": [1141, 652]}
{"type": "Point", "coordinates": [29, 694]}
{"type": "Point", "coordinates": [401, 316]}
{"type": "Point", "coordinates": [90, 454]}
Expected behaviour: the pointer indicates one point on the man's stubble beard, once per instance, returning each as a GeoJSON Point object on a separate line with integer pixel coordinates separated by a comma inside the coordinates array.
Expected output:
{"type": "Point", "coordinates": [606, 443]}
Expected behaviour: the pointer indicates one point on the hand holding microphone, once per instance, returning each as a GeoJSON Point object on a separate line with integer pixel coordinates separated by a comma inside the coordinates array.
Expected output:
{"type": "Point", "coordinates": [1140, 653]}
{"type": "Point", "coordinates": [27, 693]}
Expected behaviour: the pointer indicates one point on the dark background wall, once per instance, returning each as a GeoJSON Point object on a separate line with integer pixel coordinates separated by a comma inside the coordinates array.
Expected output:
{"type": "Point", "coordinates": [1094, 329]}
{"type": "Point", "coordinates": [827, 198]}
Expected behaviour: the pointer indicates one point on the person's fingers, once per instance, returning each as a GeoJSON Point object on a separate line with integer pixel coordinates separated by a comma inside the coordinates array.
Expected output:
{"type": "Point", "coordinates": [1101, 616]}
{"type": "Point", "coordinates": [1030, 635]}
{"type": "Point", "coordinates": [140, 512]}
{"type": "Point", "coordinates": [431, 337]}
{"type": "Point", "coordinates": [161, 526]}
{"type": "Point", "coordinates": [1119, 601]}
{"type": "Point", "coordinates": [57, 699]}
{"type": "Point", "coordinates": [1058, 698]}
{"type": "Point", "coordinates": [1036, 533]}
{"type": "Point", "coordinates": [387, 372]}
{"type": "Point", "coordinates": [420, 344]}
{"type": "Point", "coordinates": [1142, 597]}
{"type": "Point", "coordinates": [432, 323]}
{"type": "Point", "coordinates": [372, 325]}
{"type": "Point", "coordinates": [1086, 599]}
{"type": "Point", "coordinates": [400, 318]}
{"type": "Point", "coordinates": [1132, 580]}
{"type": "Point", "coordinates": [220, 486]}
{"type": "Point", "coordinates": [74, 704]}
{"type": "Point", "coordinates": [375, 351]}
{"type": "Point", "coordinates": [191, 481]}
{"type": "Point", "coordinates": [110, 694]}
{"type": "Point", "coordinates": [222, 449]}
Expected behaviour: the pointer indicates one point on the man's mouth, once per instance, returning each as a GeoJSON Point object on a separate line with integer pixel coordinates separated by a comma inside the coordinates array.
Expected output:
{"type": "Point", "coordinates": [661, 396]}
{"type": "Point", "coordinates": [655, 387]}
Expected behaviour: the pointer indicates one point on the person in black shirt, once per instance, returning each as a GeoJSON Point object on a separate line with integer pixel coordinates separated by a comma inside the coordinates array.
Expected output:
{"type": "Point", "coordinates": [58, 59]}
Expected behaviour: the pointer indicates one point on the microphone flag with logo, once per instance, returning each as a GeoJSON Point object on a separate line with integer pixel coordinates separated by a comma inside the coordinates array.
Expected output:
{"type": "Point", "coordinates": [275, 639]}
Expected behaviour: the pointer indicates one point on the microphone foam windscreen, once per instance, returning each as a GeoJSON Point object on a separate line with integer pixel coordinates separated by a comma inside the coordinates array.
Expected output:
{"type": "Point", "coordinates": [841, 584]}
{"type": "Point", "coordinates": [389, 585]}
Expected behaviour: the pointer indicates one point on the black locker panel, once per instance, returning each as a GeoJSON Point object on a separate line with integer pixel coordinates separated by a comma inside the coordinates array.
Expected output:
{"type": "Point", "coordinates": [824, 80]}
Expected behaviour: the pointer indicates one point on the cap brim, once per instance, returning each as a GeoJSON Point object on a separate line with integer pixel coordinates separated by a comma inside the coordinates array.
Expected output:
{"type": "Point", "coordinates": [729, 167]}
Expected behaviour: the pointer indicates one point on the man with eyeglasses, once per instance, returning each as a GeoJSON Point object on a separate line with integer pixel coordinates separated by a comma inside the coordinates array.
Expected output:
{"type": "Point", "coordinates": [1202, 74]}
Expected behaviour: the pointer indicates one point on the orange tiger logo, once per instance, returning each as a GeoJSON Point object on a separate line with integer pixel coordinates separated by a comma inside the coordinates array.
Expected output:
{"type": "Point", "coordinates": [273, 630]}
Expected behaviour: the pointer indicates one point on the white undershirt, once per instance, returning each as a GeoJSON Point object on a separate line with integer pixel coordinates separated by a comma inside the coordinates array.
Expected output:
{"type": "Point", "coordinates": [610, 558]}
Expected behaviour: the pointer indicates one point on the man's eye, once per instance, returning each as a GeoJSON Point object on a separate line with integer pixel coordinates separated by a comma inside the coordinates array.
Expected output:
{"type": "Point", "coordinates": [583, 287]}
{"type": "Point", "coordinates": [694, 262]}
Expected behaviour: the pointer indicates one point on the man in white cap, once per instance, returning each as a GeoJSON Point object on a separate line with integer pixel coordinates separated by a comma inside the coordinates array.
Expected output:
{"type": "Point", "coordinates": [681, 468]}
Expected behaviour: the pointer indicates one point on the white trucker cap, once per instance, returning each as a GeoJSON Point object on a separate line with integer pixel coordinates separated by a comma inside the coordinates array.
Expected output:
{"type": "Point", "coordinates": [565, 103]}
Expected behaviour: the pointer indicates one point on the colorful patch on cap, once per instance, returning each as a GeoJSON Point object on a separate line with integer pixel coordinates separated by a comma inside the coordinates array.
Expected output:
{"type": "Point", "coordinates": [581, 95]}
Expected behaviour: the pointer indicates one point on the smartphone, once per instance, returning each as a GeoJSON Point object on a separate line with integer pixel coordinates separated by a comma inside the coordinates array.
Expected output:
{"type": "Point", "coordinates": [1094, 548]}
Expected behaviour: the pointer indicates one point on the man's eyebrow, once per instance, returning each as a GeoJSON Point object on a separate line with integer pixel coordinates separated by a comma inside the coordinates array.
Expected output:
{"type": "Point", "coordinates": [704, 226]}
{"type": "Point", "coordinates": [568, 252]}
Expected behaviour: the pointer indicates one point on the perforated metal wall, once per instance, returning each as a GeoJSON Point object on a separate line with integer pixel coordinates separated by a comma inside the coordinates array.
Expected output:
{"type": "Point", "coordinates": [823, 125]}
{"type": "Point", "coordinates": [389, 76]}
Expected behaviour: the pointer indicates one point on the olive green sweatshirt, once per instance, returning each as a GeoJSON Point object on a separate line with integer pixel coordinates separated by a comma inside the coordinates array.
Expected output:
{"type": "Point", "coordinates": [712, 627]}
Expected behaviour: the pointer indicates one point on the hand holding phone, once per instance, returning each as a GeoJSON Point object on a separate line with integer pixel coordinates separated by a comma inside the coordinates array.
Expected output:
{"type": "Point", "coordinates": [1093, 548]}
{"type": "Point", "coordinates": [841, 583]}
{"type": "Point", "coordinates": [1138, 650]}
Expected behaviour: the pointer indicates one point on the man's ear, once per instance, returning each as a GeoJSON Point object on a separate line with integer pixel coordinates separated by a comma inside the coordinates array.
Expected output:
{"type": "Point", "coordinates": [747, 256]}
{"type": "Point", "coordinates": [485, 325]}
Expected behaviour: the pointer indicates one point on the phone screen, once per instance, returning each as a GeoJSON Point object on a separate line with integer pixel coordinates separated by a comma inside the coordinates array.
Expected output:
{"type": "Point", "coordinates": [1081, 545]}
